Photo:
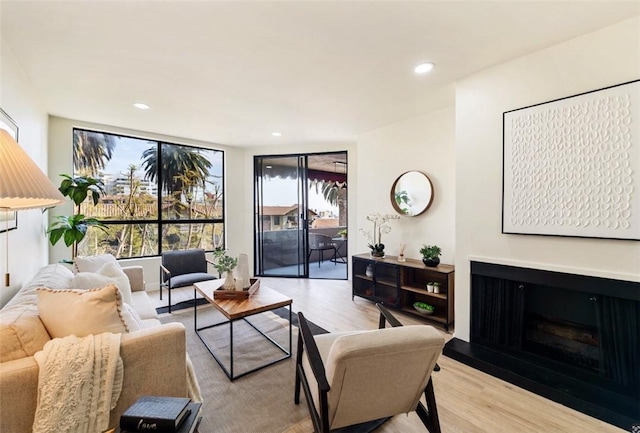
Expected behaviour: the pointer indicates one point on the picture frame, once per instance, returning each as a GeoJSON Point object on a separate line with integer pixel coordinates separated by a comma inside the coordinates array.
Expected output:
{"type": "Point", "coordinates": [571, 166]}
{"type": "Point", "coordinates": [8, 219]}
{"type": "Point", "coordinates": [8, 124]}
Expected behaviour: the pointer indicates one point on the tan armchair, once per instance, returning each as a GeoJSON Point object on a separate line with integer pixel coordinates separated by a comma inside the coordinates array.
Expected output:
{"type": "Point", "coordinates": [351, 378]}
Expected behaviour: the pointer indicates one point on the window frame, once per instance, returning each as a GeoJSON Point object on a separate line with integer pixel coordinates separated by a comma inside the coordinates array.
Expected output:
{"type": "Point", "coordinates": [159, 221]}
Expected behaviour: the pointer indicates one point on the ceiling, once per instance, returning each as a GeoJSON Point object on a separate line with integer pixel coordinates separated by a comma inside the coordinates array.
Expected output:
{"type": "Point", "coordinates": [232, 72]}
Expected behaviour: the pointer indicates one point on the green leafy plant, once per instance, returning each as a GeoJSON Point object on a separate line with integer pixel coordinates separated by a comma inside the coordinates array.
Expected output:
{"type": "Point", "coordinates": [72, 229]}
{"type": "Point", "coordinates": [78, 188]}
{"type": "Point", "coordinates": [430, 251]}
{"type": "Point", "coordinates": [342, 233]}
{"type": "Point", "coordinates": [423, 306]}
{"type": "Point", "coordinates": [403, 201]}
{"type": "Point", "coordinates": [223, 262]}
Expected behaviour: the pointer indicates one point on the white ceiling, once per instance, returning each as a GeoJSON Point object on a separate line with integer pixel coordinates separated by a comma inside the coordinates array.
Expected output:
{"type": "Point", "coordinates": [232, 72]}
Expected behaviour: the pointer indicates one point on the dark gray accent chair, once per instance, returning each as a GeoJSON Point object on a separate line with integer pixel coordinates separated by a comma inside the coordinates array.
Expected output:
{"type": "Point", "coordinates": [183, 268]}
{"type": "Point", "coordinates": [321, 243]}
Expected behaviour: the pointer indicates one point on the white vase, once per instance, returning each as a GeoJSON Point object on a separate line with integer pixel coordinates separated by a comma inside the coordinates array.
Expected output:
{"type": "Point", "coordinates": [369, 271]}
{"type": "Point", "coordinates": [229, 281]}
{"type": "Point", "coordinates": [243, 270]}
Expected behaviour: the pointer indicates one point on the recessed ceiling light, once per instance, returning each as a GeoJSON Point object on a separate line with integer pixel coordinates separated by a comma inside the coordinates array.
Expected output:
{"type": "Point", "coordinates": [141, 106]}
{"type": "Point", "coordinates": [277, 134]}
{"type": "Point", "coordinates": [423, 68]}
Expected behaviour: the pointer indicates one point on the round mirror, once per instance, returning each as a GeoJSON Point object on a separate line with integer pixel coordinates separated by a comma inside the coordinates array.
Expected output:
{"type": "Point", "coordinates": [412, 193]}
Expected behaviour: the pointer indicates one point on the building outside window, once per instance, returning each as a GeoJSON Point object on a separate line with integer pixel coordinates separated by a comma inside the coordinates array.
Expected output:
{"type": "Point", "coordinates": [158, 196]}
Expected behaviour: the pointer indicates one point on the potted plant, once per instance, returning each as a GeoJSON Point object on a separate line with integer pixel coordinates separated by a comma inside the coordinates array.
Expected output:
{"type": "Point", "coordinates": [342, 233]}
{"type": "Point", "coordinates": [431, 255]}
{"type": "Point", "coordinates": [436, 287]}
{"type": "Point", "coordinates": [225, 263]}
{"type": "Point", "coordinates": [430, 287]}
{"type": "Point", "coordinates": [423, 308]}
{"type": "Point", "coordinates": [380, 226]}
{"type": "Point", "coordinates": [74, 228]}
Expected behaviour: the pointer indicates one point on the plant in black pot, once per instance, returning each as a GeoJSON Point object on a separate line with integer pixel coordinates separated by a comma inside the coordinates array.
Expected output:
{"type": "Point", "coordinates": [431, 255]}
{"type": "Point", "coordinates": [380, 226]}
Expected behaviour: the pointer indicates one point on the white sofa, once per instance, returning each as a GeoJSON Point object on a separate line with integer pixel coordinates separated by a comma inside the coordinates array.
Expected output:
{"type": "Point", "coordinates": [154, 357]}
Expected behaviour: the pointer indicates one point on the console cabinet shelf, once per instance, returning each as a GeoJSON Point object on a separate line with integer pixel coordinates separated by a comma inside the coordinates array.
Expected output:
{"type": "Point", "coordinates": [400, 284]}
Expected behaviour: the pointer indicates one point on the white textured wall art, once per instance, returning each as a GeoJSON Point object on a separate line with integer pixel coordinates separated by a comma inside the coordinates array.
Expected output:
{"type": "Point", "coordinates": [572, 166]}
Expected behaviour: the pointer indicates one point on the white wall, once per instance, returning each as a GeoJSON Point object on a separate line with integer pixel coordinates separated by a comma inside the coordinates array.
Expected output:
{"type": "Point", "coordinates": [27, 244]}
{"type": "Point", "coordinates": [600, 59]}
{"type": "Point", "coordinates": [424, 143]}
{"type": "Point", "coordinates": [60, 162]}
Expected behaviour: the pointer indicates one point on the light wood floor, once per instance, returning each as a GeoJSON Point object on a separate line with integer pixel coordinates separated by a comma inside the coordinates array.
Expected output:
{"type": "Point", "coordinates": [469, 401]}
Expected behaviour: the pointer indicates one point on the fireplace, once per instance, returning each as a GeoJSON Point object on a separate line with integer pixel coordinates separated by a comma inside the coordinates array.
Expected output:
{"type": "Point", "coordinates": [572, 338]}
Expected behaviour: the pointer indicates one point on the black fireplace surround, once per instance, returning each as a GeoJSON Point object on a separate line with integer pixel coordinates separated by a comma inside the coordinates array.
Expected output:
{"type": "Point", "coordinates": [574, 339]}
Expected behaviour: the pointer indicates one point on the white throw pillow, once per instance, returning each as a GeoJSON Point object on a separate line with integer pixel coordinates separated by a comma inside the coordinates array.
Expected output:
{"type": "Point", "coordinates": [109, 273]}
{"type": "Point", "coordinates": [92, 263]}
{"type": "Point", "coordinates": [131, 318]}
{"type": "Point", "coordinates": [81, 312]}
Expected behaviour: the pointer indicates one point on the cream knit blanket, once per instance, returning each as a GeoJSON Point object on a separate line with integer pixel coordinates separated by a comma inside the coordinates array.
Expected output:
{"type": "Point", "coordinates": [79, 382]}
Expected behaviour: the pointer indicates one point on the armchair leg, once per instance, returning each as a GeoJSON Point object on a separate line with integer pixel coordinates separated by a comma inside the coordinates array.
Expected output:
{"type": "Point", "coordinates": [296, 394]}
{"type": "Point", "coordinates": [429, 416]}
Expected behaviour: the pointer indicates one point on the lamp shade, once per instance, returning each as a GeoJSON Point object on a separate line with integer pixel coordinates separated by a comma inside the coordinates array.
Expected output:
{"type": "Point", "coordinates": [22, 184]}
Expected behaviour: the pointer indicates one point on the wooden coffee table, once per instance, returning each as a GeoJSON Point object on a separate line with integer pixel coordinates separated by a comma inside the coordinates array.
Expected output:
{"type": "Point", "coordinates": [264, 299]}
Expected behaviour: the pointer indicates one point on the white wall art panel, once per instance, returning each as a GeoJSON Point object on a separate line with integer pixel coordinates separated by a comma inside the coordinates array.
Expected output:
{"type": "Point", "coordinates": [571, 166]}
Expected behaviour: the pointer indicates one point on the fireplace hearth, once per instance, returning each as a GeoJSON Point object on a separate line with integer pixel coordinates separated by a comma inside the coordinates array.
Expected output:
{"type": "Point", "coordinates": [573, 339]}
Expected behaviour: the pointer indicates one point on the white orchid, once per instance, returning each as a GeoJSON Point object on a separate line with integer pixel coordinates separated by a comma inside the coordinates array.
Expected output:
{"type": "Point", "coordinates": [380, 226]}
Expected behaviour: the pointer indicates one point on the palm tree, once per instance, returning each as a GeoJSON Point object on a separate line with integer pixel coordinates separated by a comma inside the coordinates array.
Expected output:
{"type": "Point", "coordinates": [336, 194]}
{"type": "Point", "coordinates": [91, 151]}
{"type": "Point", "coordinates": [181, 168]}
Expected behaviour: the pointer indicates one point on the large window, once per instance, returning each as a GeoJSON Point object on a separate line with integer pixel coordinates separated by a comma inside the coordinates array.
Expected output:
{"type": "Point", "coordinates": [159, 196]}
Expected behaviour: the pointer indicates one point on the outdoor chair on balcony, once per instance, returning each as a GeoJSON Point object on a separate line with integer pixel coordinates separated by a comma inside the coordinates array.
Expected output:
{"type": "Point", "coordinates": [321, 243]}
{"type": "Point", "coordinates": [354, 381]}
{"type": "Point", "coordinates": [183, 268]}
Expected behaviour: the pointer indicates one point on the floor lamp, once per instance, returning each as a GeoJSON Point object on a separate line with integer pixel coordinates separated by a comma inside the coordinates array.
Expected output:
{"type": "Point", "coordinates": [22, 184]}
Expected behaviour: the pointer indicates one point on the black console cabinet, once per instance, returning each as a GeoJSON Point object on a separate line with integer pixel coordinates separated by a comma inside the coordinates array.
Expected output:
{"type": "Point", "coordinates": [400, 284]}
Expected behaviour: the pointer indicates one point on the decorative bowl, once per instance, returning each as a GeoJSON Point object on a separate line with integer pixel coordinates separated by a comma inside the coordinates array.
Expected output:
{"type": "Point", "coordinates": [423, 308]}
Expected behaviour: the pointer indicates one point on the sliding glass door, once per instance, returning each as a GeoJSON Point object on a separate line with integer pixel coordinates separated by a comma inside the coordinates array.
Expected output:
{"type": "Point", "coordinates": [301, 215]}
{"type": "Point", "coordinates": [280, 182]}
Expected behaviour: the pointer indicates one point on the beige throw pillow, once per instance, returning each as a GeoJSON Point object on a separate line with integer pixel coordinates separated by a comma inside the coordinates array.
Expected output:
{"type": "Point", "coordinates": [81, 312]}
{"type": "Point", "coordinates": [109, 273]}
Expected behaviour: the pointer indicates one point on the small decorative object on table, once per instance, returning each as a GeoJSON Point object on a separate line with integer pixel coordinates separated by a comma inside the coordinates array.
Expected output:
{"type": "Point", "coordinates": [223, 293]}
{"type": "Point", "coordinates": [155, 413]}
{"type": "Point", "coordinates": [423, 308]}
{"type": "Point", "coordinates": [431, 255]}
{"type": "Point", "coordinates": [401, 253]}
{"type": "Point", "coordinates": [369, 271]}
{"type": "Point", "coordinates": [225, 263]}
{"type": "Point", "coordinates": [380, 226]}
